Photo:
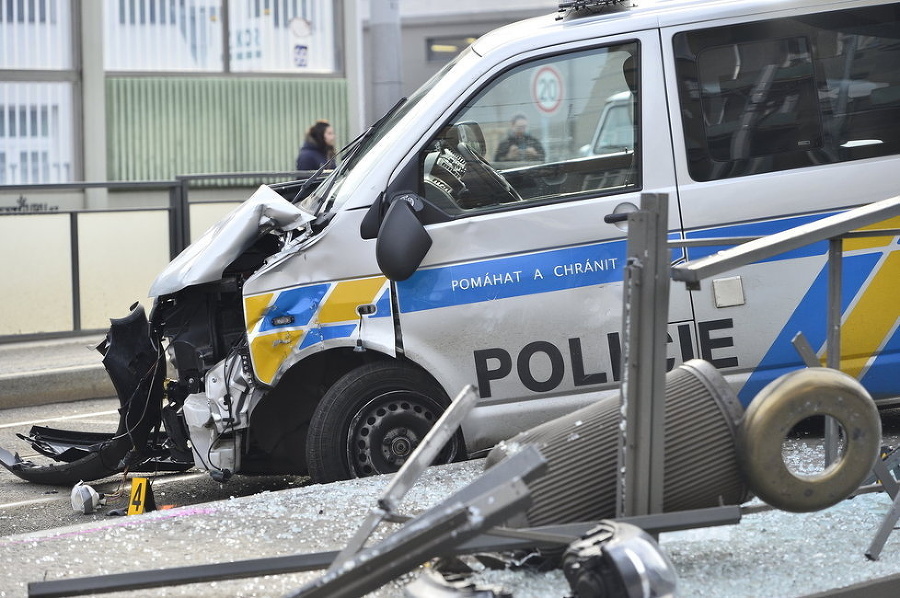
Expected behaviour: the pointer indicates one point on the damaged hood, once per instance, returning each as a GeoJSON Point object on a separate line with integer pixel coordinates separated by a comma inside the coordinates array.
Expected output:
{"type": "Point", "coordinates": [206, 259]}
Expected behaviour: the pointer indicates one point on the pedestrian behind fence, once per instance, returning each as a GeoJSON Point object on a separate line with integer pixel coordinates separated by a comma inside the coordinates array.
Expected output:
{"type": "Point", "coordinates": [318, 147]}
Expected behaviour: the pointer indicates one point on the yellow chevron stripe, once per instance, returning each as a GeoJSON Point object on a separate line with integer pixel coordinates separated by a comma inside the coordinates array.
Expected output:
{"type": "Point", "coordinates": [872, 242]}
{"type": "Point", "coordinates": [255, 309]}
{"type": "Point", "coordinates": [270, 350]}
{"type": "Point", "coordinates": [873, 317]}
{"type": "Point", "coordinates": [341, 304]}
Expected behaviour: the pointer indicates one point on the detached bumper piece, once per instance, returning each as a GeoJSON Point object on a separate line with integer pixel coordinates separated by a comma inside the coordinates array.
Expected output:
{"type": "Point", "coordinates": [135, 363]}
{"type": "Point", "coordinates": [69, 446]}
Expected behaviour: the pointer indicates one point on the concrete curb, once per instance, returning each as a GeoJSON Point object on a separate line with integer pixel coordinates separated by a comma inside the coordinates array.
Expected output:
{"type": "Point", "coordinates": [58, 385]}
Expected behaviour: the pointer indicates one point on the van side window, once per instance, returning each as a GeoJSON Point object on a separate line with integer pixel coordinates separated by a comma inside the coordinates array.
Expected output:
{"type": "Point", "coordinates": [548, 130]}
{"type": "Point", "coordinates": [788, 93]}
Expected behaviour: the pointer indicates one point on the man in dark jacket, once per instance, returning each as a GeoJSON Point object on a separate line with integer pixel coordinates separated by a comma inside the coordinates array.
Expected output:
{"type": "Point", "coordinates": [519, 145]}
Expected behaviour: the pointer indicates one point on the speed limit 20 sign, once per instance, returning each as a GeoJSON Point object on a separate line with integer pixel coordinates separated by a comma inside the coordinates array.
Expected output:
{"type": "Point", "coordinates": [547, 89]}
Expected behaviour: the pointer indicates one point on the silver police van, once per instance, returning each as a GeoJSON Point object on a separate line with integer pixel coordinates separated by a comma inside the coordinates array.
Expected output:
{"type": "Point", "coordinates": [323, 326]}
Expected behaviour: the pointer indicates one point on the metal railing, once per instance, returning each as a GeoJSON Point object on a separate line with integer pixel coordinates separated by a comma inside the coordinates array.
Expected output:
{"type": "Point", "coordinates": [646, 293]}
{"type": "Point", "coordinates": [176, 205]}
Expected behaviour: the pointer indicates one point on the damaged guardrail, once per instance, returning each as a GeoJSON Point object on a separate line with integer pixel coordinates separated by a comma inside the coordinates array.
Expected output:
{"type": "Point", "coordinates": [833, 229]}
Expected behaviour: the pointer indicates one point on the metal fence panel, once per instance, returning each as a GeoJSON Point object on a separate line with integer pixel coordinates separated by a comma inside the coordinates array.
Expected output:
{"type": "Point", "coordinates": [36, 273]}
{"type": "Point", "coordinates": [120, 253]}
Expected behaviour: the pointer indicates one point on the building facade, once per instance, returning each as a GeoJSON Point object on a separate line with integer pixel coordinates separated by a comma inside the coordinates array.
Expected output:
{"type": "Point", "coordinates": [94, 90]}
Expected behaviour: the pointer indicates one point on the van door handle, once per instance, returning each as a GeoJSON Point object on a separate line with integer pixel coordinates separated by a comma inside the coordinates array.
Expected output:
{"type": "Point", "coordinates": [619, 215]}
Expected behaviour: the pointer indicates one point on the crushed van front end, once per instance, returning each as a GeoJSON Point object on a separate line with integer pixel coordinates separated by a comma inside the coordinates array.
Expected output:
{"type": "Point", "coordinates": [183, 376]}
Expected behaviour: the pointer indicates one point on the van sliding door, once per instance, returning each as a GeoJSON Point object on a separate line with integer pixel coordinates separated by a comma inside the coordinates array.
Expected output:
{"type": "Point", "coordinates": [780, 122]}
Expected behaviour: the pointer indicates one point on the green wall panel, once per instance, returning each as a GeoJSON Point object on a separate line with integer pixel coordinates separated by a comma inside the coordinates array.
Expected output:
{"type": "Point", "coordinates": [160, 127]}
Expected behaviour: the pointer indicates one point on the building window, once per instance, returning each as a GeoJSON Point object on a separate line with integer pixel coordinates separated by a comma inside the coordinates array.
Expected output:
{"type": "Point", "coordinates": [36, 133]}
{"type": "Point", "coordinates": [444, 49]}
{"type": "Point", "coordinates": [35, 34]}
{"type": "Point", "coordinates": [26, 121]}
{"type": "Point", "coordinates": [189, 35]}
{"type": "Point", "coordinates": [33, 11]}
{"type": "Point", "coordinates": [282, 36]}
{"type": "Point", "coordinates": [163, 35]}
{"type": "Point", "coordinates": [152, 12]}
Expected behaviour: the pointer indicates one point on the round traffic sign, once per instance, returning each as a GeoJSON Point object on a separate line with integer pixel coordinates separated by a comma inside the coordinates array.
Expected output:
{"type": "Point", "coordinates": [547, 89]}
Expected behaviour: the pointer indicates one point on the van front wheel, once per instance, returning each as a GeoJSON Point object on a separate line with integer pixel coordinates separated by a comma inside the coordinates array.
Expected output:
{"type": "Point", "coordinates": [372, 419]}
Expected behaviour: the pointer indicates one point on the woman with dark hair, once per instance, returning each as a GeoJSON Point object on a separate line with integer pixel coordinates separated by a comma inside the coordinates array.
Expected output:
{"type": "Point", "coordinates": [318, 147]}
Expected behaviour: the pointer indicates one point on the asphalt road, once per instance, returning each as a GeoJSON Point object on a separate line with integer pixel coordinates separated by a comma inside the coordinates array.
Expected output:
{"type": "Point", "coordinates": [28, 507]}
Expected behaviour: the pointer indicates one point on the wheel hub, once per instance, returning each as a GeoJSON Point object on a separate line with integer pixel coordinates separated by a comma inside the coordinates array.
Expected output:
{"type": "Point", "coordinates": [399, 443]}
{"type": "Point", "coordinates": [388, 429]}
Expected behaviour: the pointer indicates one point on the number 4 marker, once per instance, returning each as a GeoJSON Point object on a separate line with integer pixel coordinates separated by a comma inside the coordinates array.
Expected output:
{"type": "Point", "coordinates": [141, 498]}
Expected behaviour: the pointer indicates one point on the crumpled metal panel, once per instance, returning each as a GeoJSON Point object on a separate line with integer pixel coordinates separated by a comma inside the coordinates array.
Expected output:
{"type": "Point", "coordinates": [206, 259]}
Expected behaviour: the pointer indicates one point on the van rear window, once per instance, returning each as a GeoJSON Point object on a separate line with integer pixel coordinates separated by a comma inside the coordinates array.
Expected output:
{"type": "Point", "coordinates": [788, 93]}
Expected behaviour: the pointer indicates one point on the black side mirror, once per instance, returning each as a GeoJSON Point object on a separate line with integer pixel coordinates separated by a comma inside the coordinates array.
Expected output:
{"type": "Point", "coordinates": [368, 228]}
{"type": "Point", "coordinates": [402, 241]}
{"type": "Point", "coordinates": [426, 212]}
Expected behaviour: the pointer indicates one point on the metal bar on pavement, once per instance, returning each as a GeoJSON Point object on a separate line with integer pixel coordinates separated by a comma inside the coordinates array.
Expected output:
{"type": "Point", "coordinates": [155, 578]}
{"type": "Point", "coordinates": [642, 445]}
{"type": "Point", "coordinates": [496, 539]}
{"type": "Point", "coordinates": [370, 568]}
{"type": "Point", "coordinates": [427, 451]}
{"type": "Point", "coordinates": [442, 527]}
{"type": "Point", "coordinates": [888, 483]}
{"type": "Point", "coordinates": [805, 350]}
{"type": "Point", "coordinates": [884, 530]}
{"type": "Point", "coordinates": [503, 538]}
{"type": "Point", "coordinates": [833, 340]}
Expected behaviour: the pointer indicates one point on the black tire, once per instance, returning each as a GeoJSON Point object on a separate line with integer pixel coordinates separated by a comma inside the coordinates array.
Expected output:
{"type": "Point", "coordinates": [372, 419]}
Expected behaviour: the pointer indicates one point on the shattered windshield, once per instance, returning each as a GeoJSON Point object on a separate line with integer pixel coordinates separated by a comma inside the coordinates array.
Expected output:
{"type": "Point", "coordinates": [328, 194]}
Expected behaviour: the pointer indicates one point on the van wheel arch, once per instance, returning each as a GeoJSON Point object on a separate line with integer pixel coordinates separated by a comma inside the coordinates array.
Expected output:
{"type": "Point", "coordinates": [280, 421]}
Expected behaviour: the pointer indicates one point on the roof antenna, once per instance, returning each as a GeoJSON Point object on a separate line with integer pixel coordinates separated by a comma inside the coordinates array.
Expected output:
{"type": "Point", "coordinates": [569, 8]}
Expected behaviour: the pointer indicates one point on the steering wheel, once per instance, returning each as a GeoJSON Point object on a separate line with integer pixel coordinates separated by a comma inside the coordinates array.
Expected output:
{"type": "Point", "coordinates": [486, 185]}
{"type": "Point", "coordinates": [444, 169]}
